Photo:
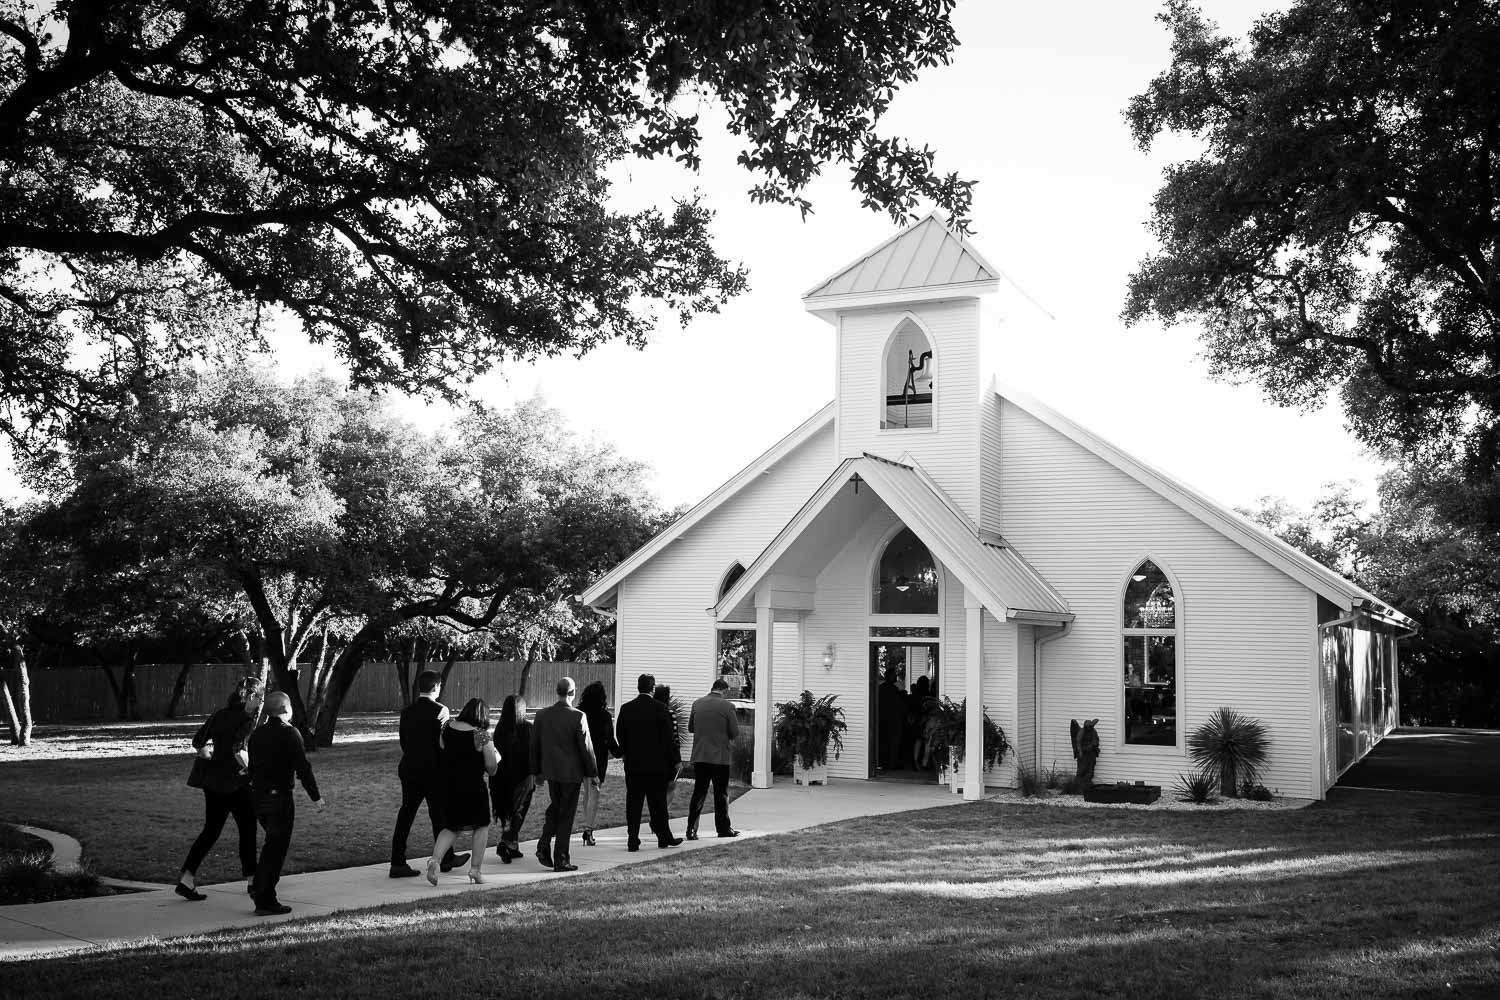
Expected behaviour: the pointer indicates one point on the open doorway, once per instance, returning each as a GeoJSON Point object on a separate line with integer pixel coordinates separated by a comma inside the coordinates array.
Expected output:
{"type": "Point", "coordinates": [903, 674]}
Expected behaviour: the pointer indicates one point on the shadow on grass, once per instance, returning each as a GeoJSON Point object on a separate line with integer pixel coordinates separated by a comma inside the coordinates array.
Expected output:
{"type": "Point", "coordinates": [1357, 897]}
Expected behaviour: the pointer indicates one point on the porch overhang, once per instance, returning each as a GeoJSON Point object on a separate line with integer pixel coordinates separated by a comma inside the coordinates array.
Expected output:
{"type": "Point", "coordinates": [994, 572]}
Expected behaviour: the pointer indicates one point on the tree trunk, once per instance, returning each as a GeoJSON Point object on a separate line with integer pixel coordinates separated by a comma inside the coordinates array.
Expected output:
{"type": "Point", "coordinates": [340, 680]}
{"type": "Point", "coordinates": [448, 664]}
{"type": "Point", "coordinates": [402, 663]}
{"type": "Point", "coordinates": [317, 682]}
{"type": "Point", "coordinates": [526, 673]}
{"type": "Point", "coordinates": [10, 711]}
{"type": "Point", "coordinates": [178, 687]}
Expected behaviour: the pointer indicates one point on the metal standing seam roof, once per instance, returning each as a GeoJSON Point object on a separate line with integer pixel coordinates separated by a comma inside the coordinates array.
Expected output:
{"type": "Point", "coordinates": [926, 254]}
{"type": "Point", "coordinates": [1005, 583]}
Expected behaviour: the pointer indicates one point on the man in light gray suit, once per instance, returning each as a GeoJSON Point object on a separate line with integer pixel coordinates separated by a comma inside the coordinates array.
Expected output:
{"type": "Point", "coordinates": [561, 754]}
{"type": "Point", "coordinates": [714, 727]}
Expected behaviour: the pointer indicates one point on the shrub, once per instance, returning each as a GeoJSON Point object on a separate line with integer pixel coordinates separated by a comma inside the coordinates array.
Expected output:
{"type": "Point", "coordinates": [1029, 782]}
{"type": "Point", "coordinates": [1055, 779]}
{"type": "Point", "coordinates": [28, 877]}
{"type": "Point", "coordinates": [1198, 787]}
{"type": "Point", "coordinates": [1256, 791]}
{"type": "Point", "coordinates": [1232, 746]}
{"type": "Point", "coordinates": [1074, 785]}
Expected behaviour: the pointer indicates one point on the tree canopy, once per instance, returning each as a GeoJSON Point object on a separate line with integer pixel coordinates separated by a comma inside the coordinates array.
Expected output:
{"type": "Point", "coordinates": [423, 184]}
{"type": "Point", "coordinates": [1341, 227]}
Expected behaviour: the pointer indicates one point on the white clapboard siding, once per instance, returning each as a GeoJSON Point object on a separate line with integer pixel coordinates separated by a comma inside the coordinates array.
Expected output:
{"type": "Point", "coordinates": [664, 627]}
{"type": "Point", "coordinates": [1024, 736]}
{"type": "Point", "coordinates": [1001, 690]}
{"type": "Point", "coordinates": [1243, 626]}
{"type": "Point", "coordinates": [947, 450]}
{"type": "Point", "coordinates": [988, 466]}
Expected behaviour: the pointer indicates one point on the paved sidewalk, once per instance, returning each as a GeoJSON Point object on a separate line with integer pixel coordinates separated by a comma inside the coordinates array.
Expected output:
{"type": "Point", "coordinates": [134, 918]}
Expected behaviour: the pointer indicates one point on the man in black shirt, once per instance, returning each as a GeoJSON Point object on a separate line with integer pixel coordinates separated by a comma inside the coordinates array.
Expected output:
{"type": "Point", "coordinates": [276, 757]}
{"type": "Point", "coordinates": [421, 779]}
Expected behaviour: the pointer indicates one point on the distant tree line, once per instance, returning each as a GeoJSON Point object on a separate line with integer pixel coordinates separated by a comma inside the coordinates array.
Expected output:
{"type": "Point", "coordinates": [305, 528]}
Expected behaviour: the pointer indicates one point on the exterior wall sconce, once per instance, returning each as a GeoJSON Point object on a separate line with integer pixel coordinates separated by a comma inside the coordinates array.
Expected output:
{"type": "Point", "coordinates": [830, 655]}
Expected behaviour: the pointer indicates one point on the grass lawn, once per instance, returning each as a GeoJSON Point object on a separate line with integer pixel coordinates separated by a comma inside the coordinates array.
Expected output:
{"type": "Point", "coordinates": [122, 792]}
{"type": "Point", "coordinates": [1369, 894]}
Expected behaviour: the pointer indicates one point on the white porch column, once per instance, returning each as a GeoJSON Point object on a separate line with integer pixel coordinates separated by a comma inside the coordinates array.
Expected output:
{"type": "Point", "coordinates": [974, 692]}
{"type": "Point", "coordinates": [765, 641]}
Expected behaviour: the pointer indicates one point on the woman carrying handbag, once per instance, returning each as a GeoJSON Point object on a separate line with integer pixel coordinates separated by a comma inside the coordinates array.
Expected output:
{"type": "Point", "coordinates": [220, 769]}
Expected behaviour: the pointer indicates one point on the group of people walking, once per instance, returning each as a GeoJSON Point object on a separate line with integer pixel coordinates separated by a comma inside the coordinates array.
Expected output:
{"type": "Point", "coordinates": [468, 777]}
{"type": "Point", "coordinates": [247, 771]}
{"type": "Point", "coordinates": [446, 763]}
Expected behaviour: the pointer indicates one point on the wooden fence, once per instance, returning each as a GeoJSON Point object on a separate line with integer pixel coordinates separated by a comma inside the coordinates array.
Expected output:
{"type": "Point", "coordinates": [82, 694]}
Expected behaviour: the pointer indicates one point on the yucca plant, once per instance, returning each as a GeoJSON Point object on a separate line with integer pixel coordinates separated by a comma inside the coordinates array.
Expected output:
{"type": "Point", "coordinates": [806, 729]}
{"type": "Point", "coordinates": [1231, 746]}
{"type": "Point", "coordinates": [1198, 787]}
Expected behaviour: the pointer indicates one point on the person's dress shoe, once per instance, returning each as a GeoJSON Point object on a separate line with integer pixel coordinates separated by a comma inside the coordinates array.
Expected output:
{"type": "Point", "coordinates": [730, 833]}
{"type": "Point", "coordinates": [633, 846]}
{"type": "Point", "coordinates": [692, 835]}
{"type": "Point", "coordinates": [588, 838]}
{"type": "Point", "coordinates": [189, 893]}
{"type": "Point", "coordinates": [271, 909]}
{"type": "Point", "coordinates": [453, 861]}
{"type": "Point", "coordinates": [404, 870]}
{"type": "Point", "coordinates": [545, 858]}
{"type": "Point", "coordinates": [674, 842]}
{"type": "Point", "coordinates": [504, 853]}
{"type": "Point", "coordinates": [565, 868]}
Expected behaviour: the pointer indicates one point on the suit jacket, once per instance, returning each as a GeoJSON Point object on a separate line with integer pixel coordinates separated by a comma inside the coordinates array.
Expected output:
{"type": "Point", "coordinates": [647, 736]}
{"type": "Point", "coordinates": [560, 749]}
{"type": "Point", "coordinates": [714, 727]}
{"type": "Point", "coordinates": [421, 726]}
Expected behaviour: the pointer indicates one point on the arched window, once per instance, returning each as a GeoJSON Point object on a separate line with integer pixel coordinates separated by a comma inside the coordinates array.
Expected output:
{"type": "Point", "coordinates": [908, 379]}
{"type": "Point", "coordinates": [906, 579]}
{"type": "Point", "coordinates": [735, 651]}
{"type": "Point", "coordinates": [1150, 635]}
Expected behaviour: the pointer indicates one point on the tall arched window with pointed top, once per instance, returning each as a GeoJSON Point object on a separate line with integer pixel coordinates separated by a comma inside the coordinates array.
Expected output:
{"type": "Point", "coordinates": [1150, 635]}
{"type": "Point", "coordinates": [735, 652]}
{"type": "Point", "coordinates": [908, 379]}
{"type": "Point", "coordinates": [906, 579]}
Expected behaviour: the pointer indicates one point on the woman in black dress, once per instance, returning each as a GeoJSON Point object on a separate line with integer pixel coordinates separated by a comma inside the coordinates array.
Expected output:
{"type": "Point", "coordinates": [467, 757]}
{"type": "Point", "coordinates": [594, 704]}
{"type": "Point", "coordinates": [512, 785]}
{"type": "Point", "coordinates": [226, 784]}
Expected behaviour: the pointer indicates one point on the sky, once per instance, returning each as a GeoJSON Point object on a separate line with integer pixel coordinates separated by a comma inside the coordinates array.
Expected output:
{"type": "Point", "coordinates": [1032, 109]}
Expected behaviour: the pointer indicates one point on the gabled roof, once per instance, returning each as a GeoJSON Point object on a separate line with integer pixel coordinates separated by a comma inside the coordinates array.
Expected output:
{"type": "Point", "coordinates": [602, 593]}
{"type": "Point", "coordinates": [1005, 584]}
{"type": "Point", "coordinates": [925, 260]}
{"type": "Point", "coordinates": [1229, 522]}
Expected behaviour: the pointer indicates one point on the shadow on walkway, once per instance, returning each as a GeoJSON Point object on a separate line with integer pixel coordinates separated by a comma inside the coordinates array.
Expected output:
{"type": "Point", "coordinates": [1462, 761]}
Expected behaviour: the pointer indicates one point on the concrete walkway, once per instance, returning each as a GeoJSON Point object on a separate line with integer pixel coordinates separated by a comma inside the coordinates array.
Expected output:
{"type": "Point", "coordinates": [134, 918]}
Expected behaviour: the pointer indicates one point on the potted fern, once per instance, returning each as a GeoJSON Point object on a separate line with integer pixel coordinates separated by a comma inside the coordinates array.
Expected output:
{"type": "Point", "coordinates": [951, 736]}
{"type": "Point", "coordinates": [805, 730]}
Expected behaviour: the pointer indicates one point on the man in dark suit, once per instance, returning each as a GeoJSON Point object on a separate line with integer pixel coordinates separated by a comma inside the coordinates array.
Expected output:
{"type": "Point", "coordinates": [648, 742]}
{"type": "Point", "coordinates": [560, 754]}
{"type": "Point", "coordinates": [421, 780]}
{"type": "Point", "coordinates": [714, 727]}
{"type": "Point", "coordinates": [276, 758]}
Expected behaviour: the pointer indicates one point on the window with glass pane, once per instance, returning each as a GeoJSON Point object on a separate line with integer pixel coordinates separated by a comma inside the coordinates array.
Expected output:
{"type": "Point", "coordinates": [737, 661]}
{"type": "Point", "coordinates": [906, 581]}
{"type": "Point", "coordinates": [1150, 658]}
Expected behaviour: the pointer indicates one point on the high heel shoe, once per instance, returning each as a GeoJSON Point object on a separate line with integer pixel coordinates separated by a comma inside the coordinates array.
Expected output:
{"type": "Point", "coordinates": [432, 867]}
{"type": "Point", "coordinates": [476, 877]}
{"type": "Point", "coordinates": [588, 838]}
